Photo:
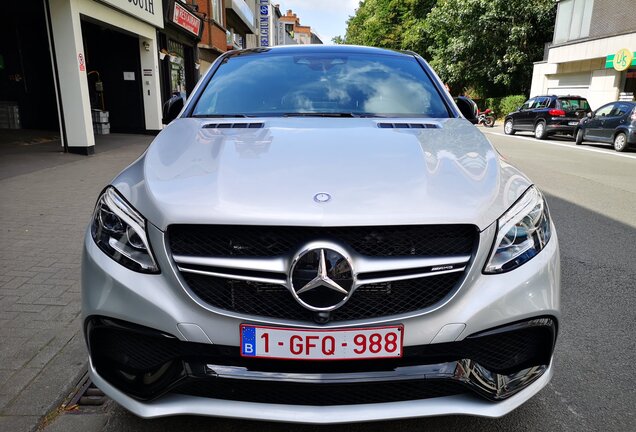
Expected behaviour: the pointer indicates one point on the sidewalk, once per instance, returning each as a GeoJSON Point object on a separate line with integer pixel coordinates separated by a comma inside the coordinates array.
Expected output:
{"type": "Point", "coordinates": [45, 205]}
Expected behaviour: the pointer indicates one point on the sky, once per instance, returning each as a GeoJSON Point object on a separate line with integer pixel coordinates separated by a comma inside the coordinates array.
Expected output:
{"type": "Point", "coordinates": [327, 18]}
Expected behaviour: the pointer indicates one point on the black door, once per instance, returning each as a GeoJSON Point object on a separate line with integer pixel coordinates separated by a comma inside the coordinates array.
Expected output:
{"type": "Point", "coordinates": [594, 126]}
{"type": "Point", "coordinates": [522, 117]}
{"type": "Point", "coordinates": [114, 55]}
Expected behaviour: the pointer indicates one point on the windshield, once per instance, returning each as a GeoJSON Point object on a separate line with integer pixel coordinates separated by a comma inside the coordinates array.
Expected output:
{"type": "Point", "coordinates": [330, 84]}
{"type": "Point", "coordinates": [574, 104]}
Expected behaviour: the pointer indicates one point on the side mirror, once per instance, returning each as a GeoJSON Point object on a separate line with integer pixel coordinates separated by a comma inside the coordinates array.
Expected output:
{"type": "Point", "coordinates": [468, 108]}
{"type": "Point", "coordinates": [171, 108]}
{"type": "Point", "coordinates": [590, 114]}
{"type": "Point", "coordinates": [519, 108]}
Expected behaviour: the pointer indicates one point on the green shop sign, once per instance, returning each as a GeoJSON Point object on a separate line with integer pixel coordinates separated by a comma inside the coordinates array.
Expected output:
{"type": "Point", "coordinates": [621, 61]}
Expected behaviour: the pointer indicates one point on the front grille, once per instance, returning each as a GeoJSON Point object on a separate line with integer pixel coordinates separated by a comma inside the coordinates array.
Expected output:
{"type": "Point", "coordinates": [368, 301]}
{"type": "Point", "coordinates": [320, 394]}
{"type": "Point", "coordinates": [267, 241]}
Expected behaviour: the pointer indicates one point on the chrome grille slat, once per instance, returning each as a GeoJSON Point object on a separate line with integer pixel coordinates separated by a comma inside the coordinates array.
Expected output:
{"type": "Point", "coordinates": [361, 264]}
{"type": "Point", "coordinates": [234, 276]}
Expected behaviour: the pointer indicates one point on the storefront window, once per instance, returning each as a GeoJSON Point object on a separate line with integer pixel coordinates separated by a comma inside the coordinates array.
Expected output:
{"type": "Point", "coordinates": [177, 68]}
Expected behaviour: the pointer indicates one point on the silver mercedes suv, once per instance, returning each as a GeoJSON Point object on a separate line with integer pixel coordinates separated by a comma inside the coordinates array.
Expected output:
{"type": "Point", "coordinates": [319, 236]}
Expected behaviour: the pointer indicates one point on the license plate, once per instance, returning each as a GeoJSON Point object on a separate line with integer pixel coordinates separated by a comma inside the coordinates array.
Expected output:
{"type": "Point", "coordinates": [573, 123]}
{"type": "Point", "coordinates": [301, 344]}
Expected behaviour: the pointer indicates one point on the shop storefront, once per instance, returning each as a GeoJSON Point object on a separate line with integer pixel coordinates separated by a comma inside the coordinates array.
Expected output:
{"type": "Point", "coordinates": [107, 55]}
{"type": "Point", "coordinates": [179, 63]}
{"type": "Point", "coordinates": [624, 61]}
{"type": "Point", "coordinates": [591, 54]}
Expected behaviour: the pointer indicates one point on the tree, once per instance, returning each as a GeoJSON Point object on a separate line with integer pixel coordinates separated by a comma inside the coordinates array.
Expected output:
{"type": "Point", "coordinates": [486, 45]}
{"type": "Point", "coordinates": [388, 23]}
{"type": "Point", "coordinates": [489, 45]}
{"type": "Point", "coordinates": [338, 40]}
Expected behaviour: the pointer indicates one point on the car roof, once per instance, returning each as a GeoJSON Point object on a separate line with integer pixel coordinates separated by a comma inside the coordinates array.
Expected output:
{"type": "Point", "coordinates": [559, 96]}
{"type": "Point", "coordinates": [312, 49]}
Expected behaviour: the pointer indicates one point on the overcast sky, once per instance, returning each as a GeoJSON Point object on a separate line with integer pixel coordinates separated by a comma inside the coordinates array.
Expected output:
{"type": "Point", "coordinates": [327, 18]}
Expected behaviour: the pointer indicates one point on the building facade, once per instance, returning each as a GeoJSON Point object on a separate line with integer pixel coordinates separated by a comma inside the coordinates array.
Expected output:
{"type": "Point", "coordinates": [88, 67]}
{"type": "Point", "coordinates": [593, 53]}
{"type": "Point", "coordinates": [178, 53]}
{"type": "Point", "coordinates": [241, 23]}
{"type": "Point", "coordinates": [299, 33]}
{"type": "Point", "coordinates": [214, 37]}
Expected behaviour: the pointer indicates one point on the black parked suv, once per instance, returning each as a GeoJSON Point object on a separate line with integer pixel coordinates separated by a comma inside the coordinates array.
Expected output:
{"type": "Point", "coordinates": [548, 115]}
{"type": "Point", "coordinates": [614, 123]}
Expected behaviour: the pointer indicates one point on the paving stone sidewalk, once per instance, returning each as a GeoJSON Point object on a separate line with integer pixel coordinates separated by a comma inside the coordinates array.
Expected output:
{"type": "Point", "coordinates": [43, 215]}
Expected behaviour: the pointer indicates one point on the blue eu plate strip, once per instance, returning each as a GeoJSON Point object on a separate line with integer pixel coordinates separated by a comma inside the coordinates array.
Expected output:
{"type": "Point", "coordinates": [248, 341]}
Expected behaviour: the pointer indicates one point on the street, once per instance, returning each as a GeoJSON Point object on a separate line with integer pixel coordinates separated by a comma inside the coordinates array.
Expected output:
{"type": "Point", "coordinates": [591, 193]}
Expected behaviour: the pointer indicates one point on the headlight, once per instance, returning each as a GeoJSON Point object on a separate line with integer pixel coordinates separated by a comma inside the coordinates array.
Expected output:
{"type": "Point", "coordinates": [523, 231]}
{"type": "Point", "coordinates": [119, 230]}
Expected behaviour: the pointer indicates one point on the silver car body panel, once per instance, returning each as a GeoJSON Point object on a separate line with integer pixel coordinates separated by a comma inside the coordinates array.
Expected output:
{"type": "Point", "coordinates": [269, 175]}
{"type": "Point", "coordinates": [163, 302]}
{"type": "Point", "coordinates": [190, 405]}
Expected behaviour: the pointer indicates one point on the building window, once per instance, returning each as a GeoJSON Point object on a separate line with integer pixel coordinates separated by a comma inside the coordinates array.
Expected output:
{"type": "Point", "coordinates": [217, 12]}
{"type": "Point", "coordinates": [573, 20]}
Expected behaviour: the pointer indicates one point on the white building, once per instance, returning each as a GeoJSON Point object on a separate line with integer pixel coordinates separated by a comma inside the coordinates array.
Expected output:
{"type": "Point", "coordinates": [592, 54]}
{"type": "Point", "coordinates": [111, 31]}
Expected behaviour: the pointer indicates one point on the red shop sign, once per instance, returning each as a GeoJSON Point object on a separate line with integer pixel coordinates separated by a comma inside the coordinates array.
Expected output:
{"type": "Point", "coordinates": [185, 19]}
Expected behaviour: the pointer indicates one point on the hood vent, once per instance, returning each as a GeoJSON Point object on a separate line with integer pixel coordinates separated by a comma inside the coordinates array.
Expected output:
{"type": "Point", "coordinates": [408, 125]}
{"type": "Point", "coordinates": [233, 126]}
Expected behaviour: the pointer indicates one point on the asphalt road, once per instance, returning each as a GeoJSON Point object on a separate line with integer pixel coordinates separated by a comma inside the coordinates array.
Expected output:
{"type": "Point", "coordinates": [592, 196]}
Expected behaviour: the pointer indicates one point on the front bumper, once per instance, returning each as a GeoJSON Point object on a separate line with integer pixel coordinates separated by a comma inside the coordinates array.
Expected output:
{"type": "Point", "coordinates": [482, 303]}
{"type": "Point", "coordinates": [148, 365]}
{"type": "Point", "coordinates": [463, 404]}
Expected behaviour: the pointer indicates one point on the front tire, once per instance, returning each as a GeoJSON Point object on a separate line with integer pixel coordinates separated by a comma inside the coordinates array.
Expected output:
{"type": "Point", "coordinates": [620, 142]}
{"type": "Point", "coordinates": [489, 121]}
{"type": "Point", "coordinates": [539, 131]}
{"type": "Point", "coordinates": [579, 137]}
{"type": "Point", "coordinates": [508, 127]}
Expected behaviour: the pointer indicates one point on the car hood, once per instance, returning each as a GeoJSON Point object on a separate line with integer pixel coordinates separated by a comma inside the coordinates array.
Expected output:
{"type": "Point", "coordinates": [446, 173]}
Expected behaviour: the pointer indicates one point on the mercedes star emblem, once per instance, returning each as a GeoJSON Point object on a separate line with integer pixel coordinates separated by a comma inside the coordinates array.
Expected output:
{"type": "Point", "coordinates": [321, 279]}
{"type": "Point", "coordinates": [322, 197]}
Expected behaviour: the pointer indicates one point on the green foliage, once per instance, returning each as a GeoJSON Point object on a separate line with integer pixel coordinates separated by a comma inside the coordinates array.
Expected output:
{"type": "Point", "coordinates": [394, 24]}
{"type": "Point", "coordinates": [489, 44]}
{"type": "Point", "coordinates": [492, 103]}
{"type": "Point", "coordinates": [502, 105]}
{"type": "Point", "coordinates": [509, 104]}
{"type": "Point", "coordinates": [338, 40]}
{"type": "Point", "coordinates": [485, 45]}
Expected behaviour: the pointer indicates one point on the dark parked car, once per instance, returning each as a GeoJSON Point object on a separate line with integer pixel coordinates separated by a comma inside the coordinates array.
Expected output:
{"type": "Point", "coordinates": [548, 115]}
{"type": "Point", "coordinates": [614, 123]}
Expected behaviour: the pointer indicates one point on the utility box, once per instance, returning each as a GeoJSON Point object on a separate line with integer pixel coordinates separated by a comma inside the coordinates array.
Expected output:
{"type": "Point", "coordinates": [101, 125]}
{"type": "Point", "coordinates": [101, 128]}
{"type": "Point", "coordinates": [100, 116]}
